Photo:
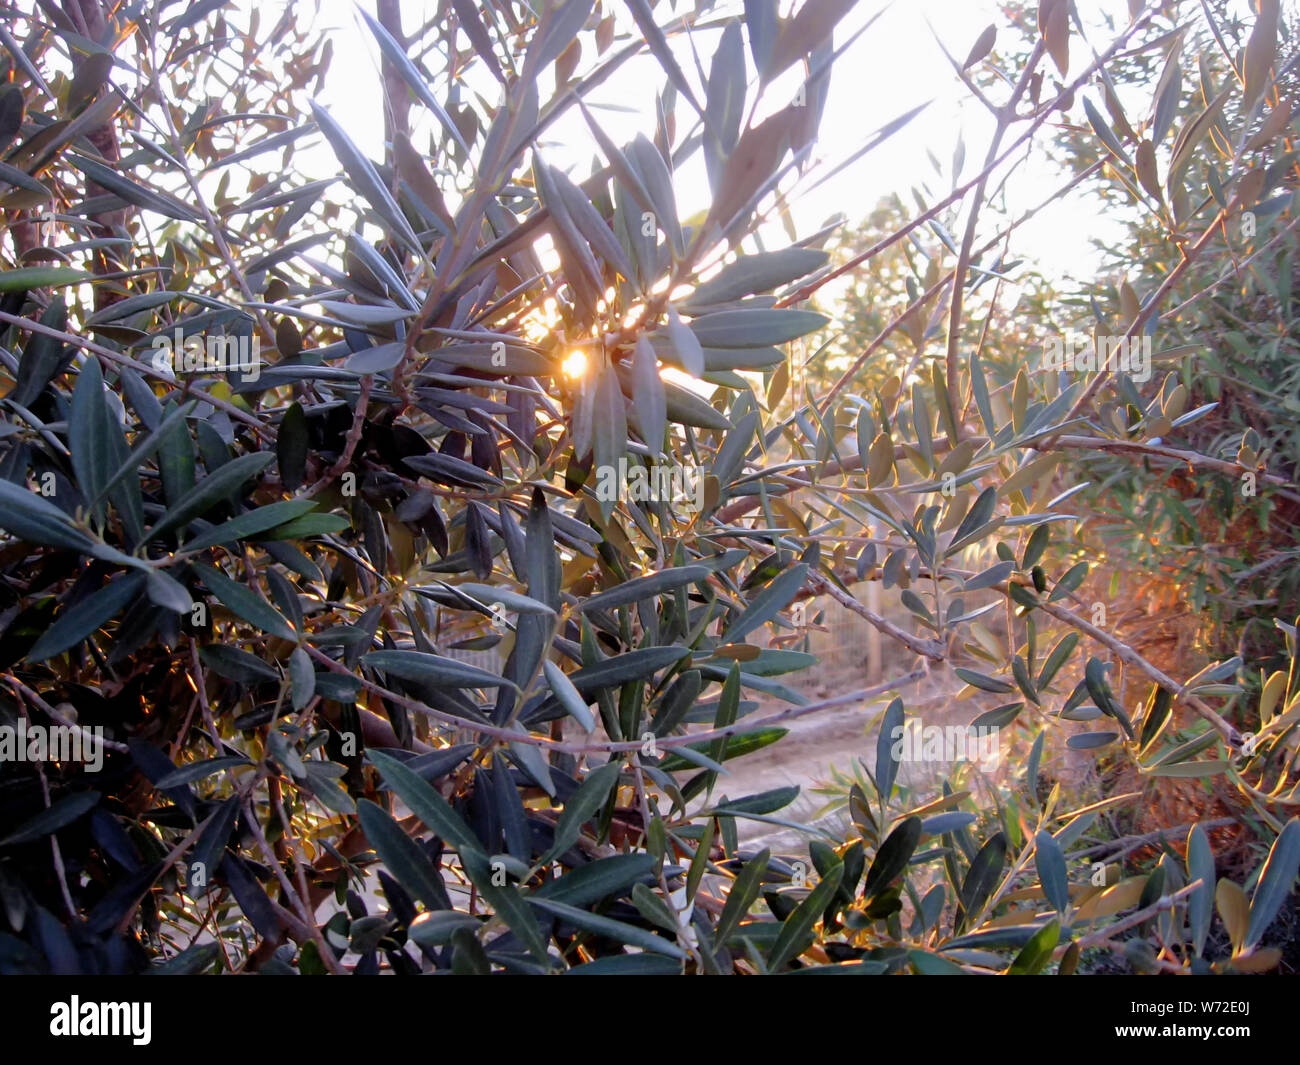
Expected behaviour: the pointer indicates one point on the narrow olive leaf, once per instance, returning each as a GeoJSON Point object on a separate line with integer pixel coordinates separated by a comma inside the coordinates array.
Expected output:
{"type": "Point", "coordinates": [609, 419]}
{"type": "Point", "coordinates": [765, 606]}
{"type": "Point", "coordinates": [1035, 547]}
{"type": "Point", "coordinates": [27, 277]}
{"type": "Point", "coordinates": [246, 603]}
{"type": "Point", "coordinates": [1090, 741]}
{"type": "Point", "coordinates": [581, 807]}
{"type": "Point", "coordinates": [755, 327]}
{"type": "Point", "coordinates": [980, 391]}
{"type": "Point", "coordinates": [449, 470]}
{"type": "Point", "coordinates": [214, 488]}
{"type": "Point", "coordinates": [55, 817]}
{"type": "Point", "coordinates": [880, 460]}
{"type": "Point", "coordinates": [161, 430]}
{"type": "Point", "coordinates": [1058, 656]}
{"type": "Point", "coordinates": [556, 30]}
{"type": "Point", "coordinates": [983, 46]}
{"type": "Point", "coordinates": [542, 560]}
{"type": "Point", "coordinates": [658, 43]}
{"type": "Point", "coordinates": [81, 619]}
{"type": "Point", "coordinates": [379, 359]}
{"type": "Point", "coordinates": [1200, 904]}
{"type": "Point", "coordinates": [1054, 24]}
{"type": "Point", "coordinates": [892, 857]}
{"type": "Point", "coordinates": [744, 891]}
{"type": "Point", "coordinates": [631, 665]}
{"type": "Point", "coordinates": [473, 28]}
{"type": "Point", "coordinates": [888, 750]}
{"type": "Point", "coordinates": [1038, 951]}
{"type": "Point", "coordinates": [1276, 881]}
{"type": "Point", "coordinates": [590, 224]}
{"type": "Point", "coordinates": [983, 682]}
{"type": "Point", "coordinates": [1167, 94]}
{"type": "Point", "coordinates": [737, 746]}
{"type": "Point", "coordinates": [999, 717]}
{"type": "Point", "coordinates": [686, 343]}
{"type": "Point", "coordinates": [1148, 176]}
{"type": "Point", "coordinates": [686, 408]}
{"type": "Point", "coordinates": [609, 928]}
{"type": "Point", "coordinates": [166, 591]}
{"type": "Point", "coordinates": [252, 898]}
{"type": "Point", "coordinates": [653, 908]}
{"type": "Point", "coordinates": [1020, 671]}
{"type": "Point", "coordinates": [364, 177]}
{"type": "Point", "coordinates": [796, 933]}
{"type": "Point", "coordinates": [190, 962]}
{"type": "Point", "coordinates": [132, 192]}
{"type": "Point", "coordinates": [401, 855]}
{"type": "Point", "coordinates": [569, 696]}
{"type": "Point", "coordinates": [89, 432]}
{"type": "Point", "coordinates": [1050, 862]}
{"type": "Point", "coordinates": [976, 519]}
{"type": "Point", "coordinates": [605, 878]}
{"type": "Point", "coordinates": [211, 844]}
{"type": "Point", "coordinates": [651, 405]}
{"type": "Point", "coordinates": [1260, 50]}
{"type": "Point", "coordinates": [42, 357]}
{"type": "Point", "coordinates": [1070, 580]}
{"type": "Point", "coordinates": [751, 274]}
{"type": "Point", "coordinates": [39, 522]}
{"type": "Point", "coordinates": [983, 875]}
{"type": "Point", "coordinates": [235, 664]}
{"type": "Point", "coordinates": [799, 36]}
{"type": "Point", "coordinates": [435, 929]}
{"type": "Point", "coordinates": [248, 524]}
{"type": "Point", "coordinates": [657, 180]}
{"type": "Point", "coordinates": [1234, 911]}
{"type": "Point", "coordinates": [1192, 135]}
{"type": "Point", "coordinates": [425, 802]}
{"type": "Point", "coordinates": [1103, 131]}
{"type": "Point", "coordinates": [420, 667]}
{"type": "Point", "coordinates": [487, 593]}
{"type": "Point", "coordinates": [765, 802]}
{"type": "Point", "coordinates": [302, 675]}
{"type": "Point", "coordinates": [12, 175]}
{"type": "Point", "coordinates": [188, 774]}
{"type": "Point", "coordinates": [412, 76]}
{"type": "Point", "coordinates": [729, 461]}
{"type": "Point", "coordinates": [648, 587]}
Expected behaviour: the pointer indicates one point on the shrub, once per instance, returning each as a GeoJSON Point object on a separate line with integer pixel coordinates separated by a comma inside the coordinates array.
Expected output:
{"type": "Point", "coordinates": [272, 457]}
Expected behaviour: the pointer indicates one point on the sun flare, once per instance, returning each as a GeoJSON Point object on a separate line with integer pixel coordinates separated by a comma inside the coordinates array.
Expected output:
{"type": "Point", "coordinates": [575, 365]}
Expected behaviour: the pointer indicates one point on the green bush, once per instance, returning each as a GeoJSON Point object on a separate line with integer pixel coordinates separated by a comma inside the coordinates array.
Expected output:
{"type": "Point", "coordinates": [280, 444]}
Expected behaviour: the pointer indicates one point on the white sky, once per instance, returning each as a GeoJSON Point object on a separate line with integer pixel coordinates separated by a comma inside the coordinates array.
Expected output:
{"type": "Point", "coordinates": [894, 66]}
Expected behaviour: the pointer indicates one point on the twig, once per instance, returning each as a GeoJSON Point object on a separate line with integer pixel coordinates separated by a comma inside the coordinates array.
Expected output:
{"type": "Point", "coordinates": [931, 649]}
{"type": "Point", "coordinates": [1162, 904]}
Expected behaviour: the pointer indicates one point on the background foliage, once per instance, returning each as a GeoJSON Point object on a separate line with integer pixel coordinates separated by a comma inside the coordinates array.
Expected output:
{"type": "Point", "coordinates": [251, 580]}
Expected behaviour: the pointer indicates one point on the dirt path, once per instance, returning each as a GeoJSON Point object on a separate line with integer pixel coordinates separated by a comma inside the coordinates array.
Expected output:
{"type": "Point", "coordinates": [833, 738]}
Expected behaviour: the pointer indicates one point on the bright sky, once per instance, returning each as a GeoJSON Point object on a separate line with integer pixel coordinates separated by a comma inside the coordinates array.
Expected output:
{"type": "Point", "coordinates": [894, 66]}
